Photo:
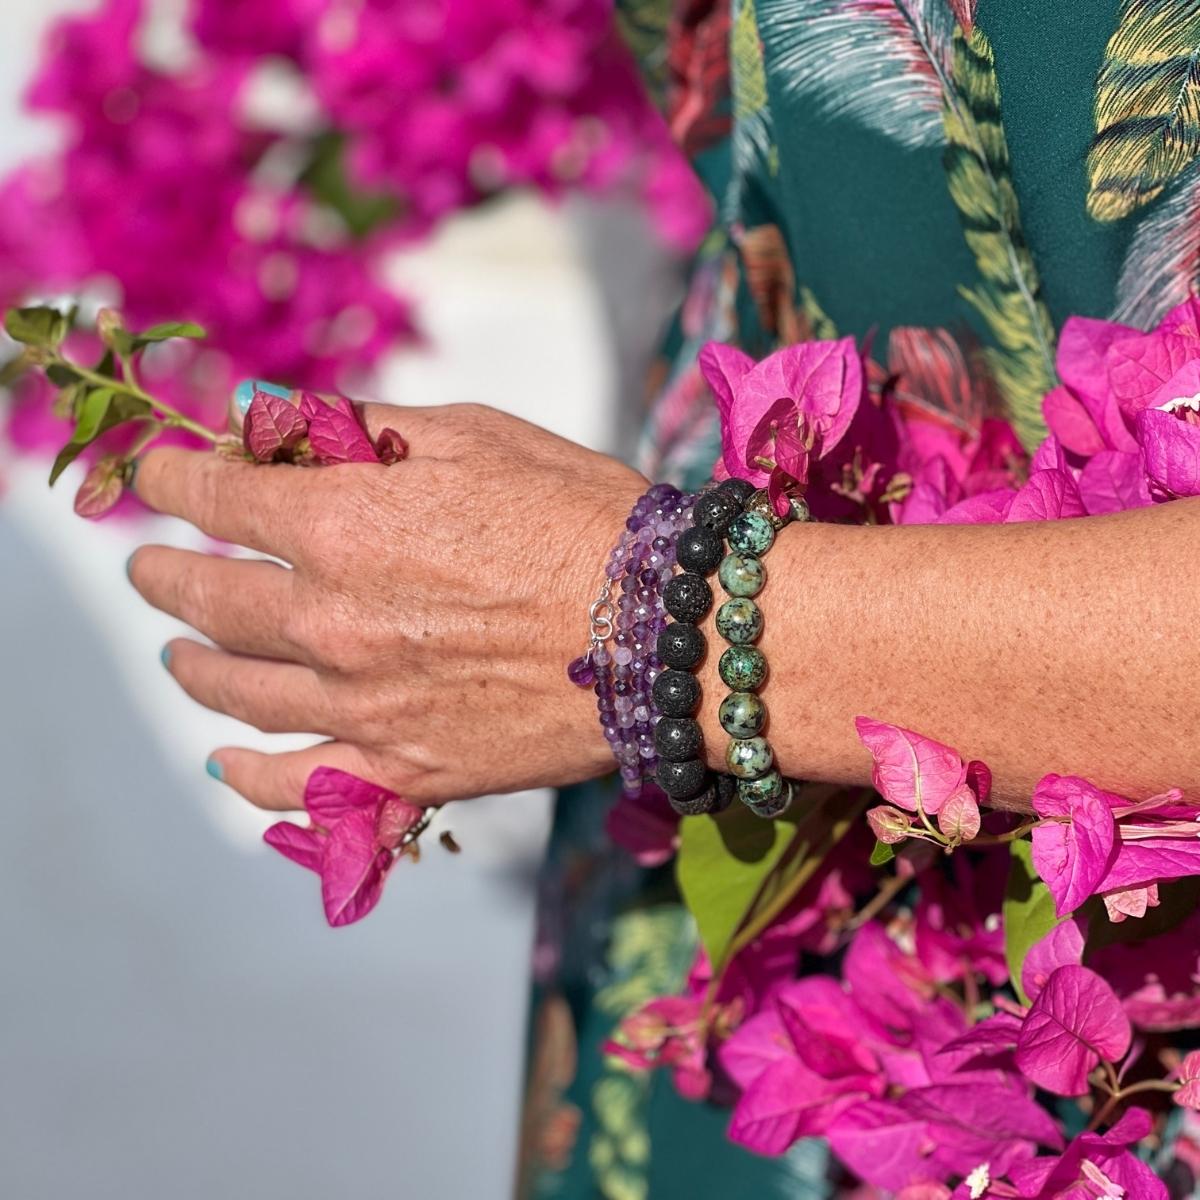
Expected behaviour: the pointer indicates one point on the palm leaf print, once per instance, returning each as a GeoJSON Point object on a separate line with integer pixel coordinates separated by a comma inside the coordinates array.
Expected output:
{"type": "Point", "coordinates": [1162, 264]}
{"type": "Point", "coordinates": [1147, 106]}
{"type": "Point", "coordinates": [882, 63]}
{"type": "Point", "coordinates": [753, 142]}
{"type": "Point", "coordinates": [1008, 296]}
{"type": "Point", "coordinates": [964, 13]}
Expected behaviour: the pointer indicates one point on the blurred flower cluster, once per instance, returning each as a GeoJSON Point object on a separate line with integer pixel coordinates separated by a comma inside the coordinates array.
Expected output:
{"type": "Point", "coordinates": [255, 167]}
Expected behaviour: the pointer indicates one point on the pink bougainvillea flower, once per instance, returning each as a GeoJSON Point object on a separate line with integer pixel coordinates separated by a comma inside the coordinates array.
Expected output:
{"type": "Point", "coordinates": [1187, 1095]}
{"type": "Point", "coordinates": [1061, 947]}
{"type": "Point", "coordinates": [795, 403]}
{"type": "Point", "coordinates": [1095, 1166]}
{"type": "Point", "coordinates": [1113, 481]}
{"type": "Point", "coordinates": [957, 926]}
{"type": "Point", "coordinates": [1075, 1023]}
{"type": "Point", "coordinates": [1170, 438]}
{"type": "Point", "coordinates": [352, 842]}
{"type": "Point", "coordinates": [670, 1031]}
{"type": "Point", "coordinates": [916, 773]}
{"type": "Point", "coordinates": [1073, 850]}
{"type": "Point", "coordinates": [335, 431]}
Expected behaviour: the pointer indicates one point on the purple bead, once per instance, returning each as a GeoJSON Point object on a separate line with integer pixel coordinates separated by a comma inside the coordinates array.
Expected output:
{"type": "Point", "coordinates": [623, 655]}
{"type": "Point", "coordinates": [581, 672]}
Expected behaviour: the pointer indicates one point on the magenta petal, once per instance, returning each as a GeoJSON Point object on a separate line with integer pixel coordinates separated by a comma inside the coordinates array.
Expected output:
{"type": "Point", "coordinates": [723, 368]}
{"type": "Point", "coordinates": [1075, 1023]}
{"type": "Point", "coordinates": [825, 1027]}
{"type": "Point", "coordinates": [330, 794]}
{"type": "Point", "coordinates": [353, 869]}
{"type": "Point", "coordinates": [1113, 481]}
{"type": "Point", "coordinates": [296, 842]}
{"type": "Point", "coordinates": [1072, 856]}
{"type": "Point", "coordinates": [336, 434]}
{"type": "Point", "coordinates": [882, 1143]}
{"type": "Point", "coordinates": [1138, 366]}
{"type": "Point", "coordinates": [1050, 495]}
{"type": "Point", "coordinates": [1070, 421]}
{"type": "Point", "coordinates": [826, 381]}
{"type": "Point", "coordinates": [1171, 448]}
{"type": "Point", "coordinates": [959, 818]}
{"type": "Point", "coordinates": [1061, 947]}
{"type": "Point", "coordinates": [757, 1044]}
{"type": "Point", "coordinates": [1149, 860]}
{"type": "Point", "coordinates": [909, 768]}
{"type": "Point", "coordinates": [767, 1117]}
{"type": "Point", "coordinates": [984, 508]}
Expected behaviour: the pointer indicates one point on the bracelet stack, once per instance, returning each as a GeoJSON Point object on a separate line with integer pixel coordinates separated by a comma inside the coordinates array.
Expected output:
{"type": "Point", "coordinates": [629, 613]}
{"type": "Point", "coordinates": [733, 511]}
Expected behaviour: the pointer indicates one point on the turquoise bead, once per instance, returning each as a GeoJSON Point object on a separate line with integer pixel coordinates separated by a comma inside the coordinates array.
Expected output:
{"type": "Point", "coordinates": [762, 790]}
{"type": "Point", "coordinates": [749, 758]}
{"type": "Point", "coordinates": [742, 574]}
{"type": "Point", "coordinates": [751, 533]}
{"type": "Point", "coordinates": [739, 621]}
{"type": "Point", "coordinates": [742, 714]}
{"type": "Point", "coordinates": [743, 668]}
{"type": "Point", "coordinates": [770, 804]}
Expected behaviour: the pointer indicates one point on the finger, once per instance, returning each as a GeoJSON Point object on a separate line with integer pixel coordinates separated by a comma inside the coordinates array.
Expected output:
{"type": "Point", "coordinates": [241, 605]}
{"type": "Point", "coordinates": [272, 696]}
{"type": "Point", "coordinates": [268, 507]}
{"type": "Point", "coordinates": [276, 781]}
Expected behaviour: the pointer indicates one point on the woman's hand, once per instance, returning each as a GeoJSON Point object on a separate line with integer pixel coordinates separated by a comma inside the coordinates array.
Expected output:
{"type": "Point", "coordinates": [426, 618]}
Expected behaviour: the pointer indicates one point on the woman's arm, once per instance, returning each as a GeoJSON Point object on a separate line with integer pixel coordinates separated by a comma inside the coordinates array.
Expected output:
{"type": "Point", "coordinates": [1061, 646]}
{"type": "Point", "coordinates": [432, 607]}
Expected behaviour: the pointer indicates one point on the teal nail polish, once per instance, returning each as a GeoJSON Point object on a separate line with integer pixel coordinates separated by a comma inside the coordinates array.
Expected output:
{"type": "Point", "coordinates": [166, 657]}
{"type": "Point", "coordinates": [244, 392]}
{"type": "Point", "coordinates": [214, 769]}
{"type": "Point", "coordinates": [129, 567]}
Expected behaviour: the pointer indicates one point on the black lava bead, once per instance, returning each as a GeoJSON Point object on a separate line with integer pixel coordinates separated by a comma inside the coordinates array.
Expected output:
{"type": "Point", "coordinates": [682, 780]}
{"type": "Point", "coordinates": [680, 645]}
{"type": "Point", "coordinates": [727, 790]}
{"type": "Point", "coordinates": [696, 806]}
{"type": "Point", "coordinates": [699, 549]}
{"type": "Point", "coordinates": [687, 597]}
{"type": "Point", "coordinates": [677, 738]}
{"type": "Point", "coordinates": [740, 489]}
{"type": "Point", "coordinates": [715, 510]}
{"type": "Point", "coordinates": [676, 693]}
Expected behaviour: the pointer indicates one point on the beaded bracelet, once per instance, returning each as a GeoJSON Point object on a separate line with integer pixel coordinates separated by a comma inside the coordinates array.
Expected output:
{"type": "Point", "coordinates": [734, 510]}
{"type": "Point", "coordinates": [640, 565]}
{"type": "Point", "coordinates": [739, 620]}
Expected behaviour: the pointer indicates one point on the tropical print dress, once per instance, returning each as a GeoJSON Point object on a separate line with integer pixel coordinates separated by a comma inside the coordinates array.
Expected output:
{"type": "Point", "coordinates": [950, 179]}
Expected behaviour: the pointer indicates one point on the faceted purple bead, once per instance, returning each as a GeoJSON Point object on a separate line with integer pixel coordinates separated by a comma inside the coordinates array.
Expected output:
{"type": "Point", "coordinates": [581, 672]}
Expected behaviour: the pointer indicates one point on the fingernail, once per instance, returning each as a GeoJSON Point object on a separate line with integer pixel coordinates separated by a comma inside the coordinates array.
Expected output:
{"type": "Point", "coordinates": [129, 567]}
{"type": "Point", "coordinates": [214, 769]}
{"type": "Point", "coordinates": [166, 657]}
{"type": "Point", "coordinates": [244, 392]}
{"type": "Point", "coordinates": [131, 474]}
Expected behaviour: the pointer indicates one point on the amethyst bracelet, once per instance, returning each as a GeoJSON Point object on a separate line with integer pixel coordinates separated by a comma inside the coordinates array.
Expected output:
{"type": "Point", "coordinates": [629, 614]}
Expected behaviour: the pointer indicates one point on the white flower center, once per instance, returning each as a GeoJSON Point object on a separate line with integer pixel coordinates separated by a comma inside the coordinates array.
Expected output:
{"type": "Point", "coordinates": [1189, 402]}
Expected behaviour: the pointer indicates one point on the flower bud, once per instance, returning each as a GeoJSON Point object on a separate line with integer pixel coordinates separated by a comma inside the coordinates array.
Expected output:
{"type": "Point", "coordinates": [889, 825]}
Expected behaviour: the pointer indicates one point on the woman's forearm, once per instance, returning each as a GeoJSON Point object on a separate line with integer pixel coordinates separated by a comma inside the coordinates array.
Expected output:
{"type": "Point", "coordinates": [1046, 646]}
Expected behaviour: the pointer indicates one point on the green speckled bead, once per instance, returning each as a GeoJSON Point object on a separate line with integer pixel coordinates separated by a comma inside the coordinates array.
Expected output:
{"type": "Point", "coordinates": [742, 574]}
{"type": "Point", "coordinates": [742, 714]}
{"type": "Point", "coordinates": [751, 533]}
{"type": "Point", "coordinates": [800, 509]}
{"type": "Point", "coordinates": [739, 621]}
{"type": "Point", "coordinates": [743, 668]}
{"type": "Point", "coordinates": [762, 790]}
{"type": "Point", "coordinates": [772, 805]}
{"type": "Point", "coordinates": [749, 758]}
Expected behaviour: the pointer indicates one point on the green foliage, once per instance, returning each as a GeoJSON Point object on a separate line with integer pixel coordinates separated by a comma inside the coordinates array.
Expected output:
{"type": "Point", "coordinates": [1009, 295]}
{"type": "Point", "coordinates": [326, 178]}
{"type": "Point", "coordinates": [737, 872]}
{"type": "Point", "coordinates": [882, 853]}
{"type": "Point", "coordinates": [1028, 912]}
{"type": "Point", "coordinates": [99, 410]}
{"type": "Point", "coordinates": [44, 328]}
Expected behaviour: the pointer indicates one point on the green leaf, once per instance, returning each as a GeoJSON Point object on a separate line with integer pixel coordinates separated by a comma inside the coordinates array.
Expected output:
{"type": "Point", "coordinates": [62, 374]}
{"type": "Point", "coordinates": [737, 872]}
{"type": "Point", "coordinates": [1028, 912]}
{"type": "Point", "coordinates": [722, 864]}
{"type": "Point", "coordinates": [45, 327]}
{"type": "Point", "coordinates": [167, 331]}
{"type": "Point", "coordinates": [882, 853]}
{"type": "Point", "coordinates": [13, 369]}
{"type": "Point", "coordinates": [102, 409]}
